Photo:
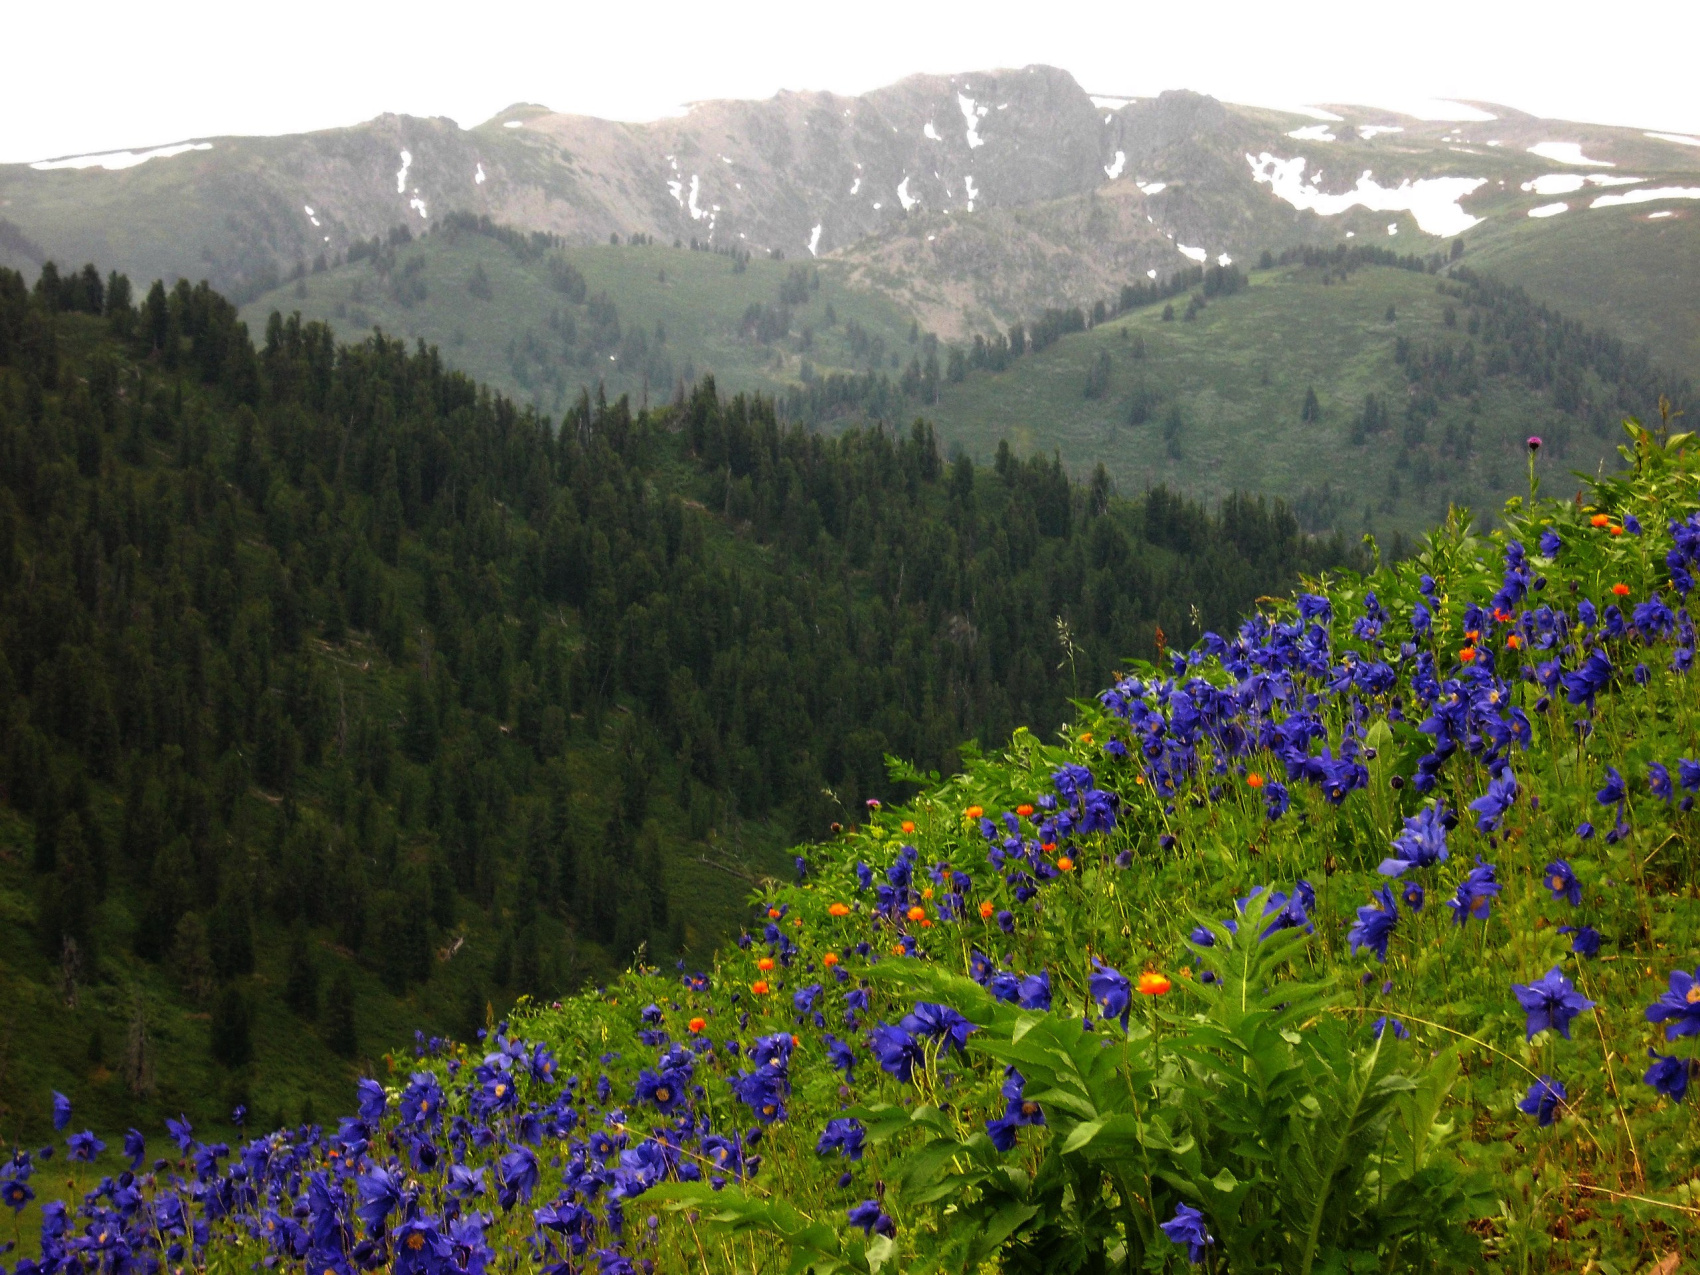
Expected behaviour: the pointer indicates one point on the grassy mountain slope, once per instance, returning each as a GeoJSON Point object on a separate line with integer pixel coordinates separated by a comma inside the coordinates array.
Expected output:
{"type": "Point", "coordinates": [1630, 269]}
{"type": "Point", "coordinates": [1237, 374]}
{"type": "Point", "coordinates": [1222, 399]}
{"type": "Point", "coordinates": [681, 315]}
{"type": "Point", "coordinates": [339, 695]}
{"type": "Point", "coordinates": [1356, 938]}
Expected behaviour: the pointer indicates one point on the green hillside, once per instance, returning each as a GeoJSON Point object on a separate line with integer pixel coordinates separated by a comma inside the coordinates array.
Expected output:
{"type": "Point", "coordinates": [340, 697]}
{"type": "Point", "coordinates": [1624, 269]}
{"type": "Point", "coordinates": [1357, 937]}
{"type": "Point", "coordinates": [1210, 400]}
{"type": "Point", "coordinates": [524, 316]}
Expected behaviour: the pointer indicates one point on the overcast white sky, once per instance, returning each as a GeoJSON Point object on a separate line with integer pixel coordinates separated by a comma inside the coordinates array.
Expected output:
{"type": "Point", "coordinates": [86, 77]}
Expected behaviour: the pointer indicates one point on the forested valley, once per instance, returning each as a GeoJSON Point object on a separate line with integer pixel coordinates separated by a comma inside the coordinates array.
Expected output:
{"type": "Point", "coordinates": [339, 695]}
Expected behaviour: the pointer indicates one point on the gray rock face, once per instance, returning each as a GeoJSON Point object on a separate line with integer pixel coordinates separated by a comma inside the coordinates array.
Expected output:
{"type": "Point", "coordinates": [754, 175]}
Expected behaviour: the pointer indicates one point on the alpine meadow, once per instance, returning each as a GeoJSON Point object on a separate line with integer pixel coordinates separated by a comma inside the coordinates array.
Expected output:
{"type": "Point", "coordinates": [974, 677]}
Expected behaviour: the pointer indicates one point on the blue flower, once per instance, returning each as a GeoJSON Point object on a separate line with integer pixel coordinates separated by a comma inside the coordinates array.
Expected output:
{"type": "Point", "coordinates": [1543, 1099]}
{"type": "Point", "coordinates": [15, 1193]}
{"type": "Point", "coordinates": [1614, 792]}
{"type": "Point", "coordinates": [896, 1051]}
{"type": "Point", "coordinates": [1658, 779]}
{"type": "Point", "coordinates": [1413, 895]}
{"type": "Point", "coordinates": [136, 1147]}
{"type": "Point", "coordinates": [1112, 991]}
{"type": "Point", "coordinates": [1561, 880]}
{"type": "Point", "coordinates": [518, 1176]}
{"type": "Point", "coordinates": [870, 1217]}
{"type": "Point", "coordinates": [1187, 1227]}
{"type": "Point", "coordinates": [420, 1249]}
{"type": "Point", "coordinates": [1474, 899]}
{"type": "Point", "coordinates": [666, 1089]}
{"type": "Point", "coordinates": [1688, 775]}
{"type": "Point", "coordinates": [1421, 844]}
{"type": "Point", "coordinates": [380, 1193]}
{"type": "Point", "coordinates": [1679, 1008]}
{"type": "Point", "coordinates": [940, 1023]}
{"type": "Point", "coordinates": [372, 1099]}
{"type": "Point", "coordinates": [1584, 831]}
{"type": "Point", "coordinates": [1550, 1003]}
{"type": "Point", "coordinates": [842, 1136]}
{"type": "Point", "coordinates": [84, 1146]}
{"type": "Point", "coordinates": [1374, 926]}
{"type": "Point", "coordinates": [1669, 1075]}
{"type": "Point", "coordinates": [1491, 806]}
{"type": "Point", "coordinates": [1587, 940]}
{"type": "Point", "coordinates": [1034, 991]}
{"type": "Point", "coordinates": [1400, 1031]}
{"type": "Point", "coordinates": [1550, 543]}
{"type": "Point", "coordinates": [61, 1111]}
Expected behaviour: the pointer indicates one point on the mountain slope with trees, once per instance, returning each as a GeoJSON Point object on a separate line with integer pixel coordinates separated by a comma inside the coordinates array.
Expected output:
{"type": "Point", "coordinates": [339, 695]}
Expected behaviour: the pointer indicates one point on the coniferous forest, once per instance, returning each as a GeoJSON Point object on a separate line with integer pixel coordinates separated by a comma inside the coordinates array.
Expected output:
{"type": "Point", "coordinates": [338, 694]}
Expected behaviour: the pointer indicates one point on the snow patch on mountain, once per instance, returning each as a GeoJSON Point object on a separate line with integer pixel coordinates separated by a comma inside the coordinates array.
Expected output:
{"type": "Point", "coordinates": [814, 240]}
{"type": "Point", "coordinates": [112, 161]}
{"type": "Point", "coordinates": [1681, 139]}
{"type": "Point", "coordinates": [1644, 196]}
{"type": "Point", "coordinates": [1114, 170]}
{"type": "Point", "coordinates": [1549, 210]}
{"type": "Point", "coordinates": [1568, 153]}
{"type": "Point", "coordinates": [401, 173]}
{"type": "Point", "coordinates": [1312, 133]}
{"type": "Point", "coordinates": [904, 197]}
{"type": "Point", "coordinates": [1432, 201]}
{"type": "Point", "coordinates": [972, 114]}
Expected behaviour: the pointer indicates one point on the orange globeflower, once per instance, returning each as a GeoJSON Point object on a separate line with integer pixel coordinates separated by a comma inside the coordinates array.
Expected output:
{"type": "Point", "coordinates": [909, 825]}
{"type": "Point", "coordinates": [1049, 847]}
{"type": "Point", "coordinates": [1024, 810]}
{"type": "Point", "coordinates": [829, 960]}
{"type": "Point", "coordinates": [927, 893]}
{"type": "Point", "coordinates": [1622, 590]}
{"type": "Point", "coordinates": [897, 949]}
{"type": "Point", "coordinates": [1467, 655]}
{"type": "Point", "coordinates": [759, 987]}
{"type": "Point", "coordinates": [986, 910]}
{"type": "Point", "coordinates": [1615, 529]}
{"type": "Point", "coordinates": [1152, 983]}
{"type": "Point", "coordinates": [1600, 520]}
{"type": "Point", "coordinates": [839, 909]}
{"type": "Point", "coordinates": [973, 812]}
{"type": "Point", "coordinates": [1513, 642]}
{"type": "Point", "coordinates": [765, 964]}
{"type": "Point", "coordinates": [917, 914]}
{"type": "Point", "coordinates": [773, 914]}
{"type": "Point", "coordinates": [1086, 737]}
{"type": "Point", "coordinates": [697, 1024]}
{"type": "Point", "coordinates": [1254, 780]}
{"type": "Point", "coordinates": [1064, 864]}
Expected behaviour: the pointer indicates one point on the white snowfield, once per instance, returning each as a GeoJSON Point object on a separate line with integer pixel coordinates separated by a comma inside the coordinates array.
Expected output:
{"type": "Point", "coordinates": [112, 161]}
{"type": "Point", "coordinates": [1114, 170]}
{"type": "Point", "coordinates": [1549, 210]}
{"type": "Point", "coordinates": [1681, 139]}
{"type": "Point", "coordinates": [1568, 153]}
{"type": "Point", "coordinates": [1313, 133]}
{"type": "Point", "coordinates": [1566, 183]}
{"type": "Point", "coordinates": [1645, 196]}
{"type": "Point", "coordinates": [1432, 201]}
